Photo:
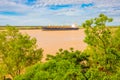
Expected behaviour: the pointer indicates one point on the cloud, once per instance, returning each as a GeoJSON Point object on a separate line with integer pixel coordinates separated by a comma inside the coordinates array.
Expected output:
{"type": "Point", "coordinates": [60, 2]}
{"type": "Point", "coordinates": [9, 5]}
{"type": "Point", "coordinates": [44, 3]}
{"type": "Point", "coordinates": [37, 12]}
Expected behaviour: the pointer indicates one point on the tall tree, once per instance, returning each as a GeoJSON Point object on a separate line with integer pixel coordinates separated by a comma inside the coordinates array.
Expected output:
{"type": "Point", "coordinates": [101, 44]}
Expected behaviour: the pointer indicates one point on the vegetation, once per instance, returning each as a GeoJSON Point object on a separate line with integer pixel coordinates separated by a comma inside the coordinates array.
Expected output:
{"type": "Point", "coordinates": [66, 65]}
{"type": "Point", "coordinates": [103, 49]}
{"type": "Point", "coordinates": [23, 27]}
{"type": "Point", "coordinates": [100, 60]}
{"type": "Point", "coordinates": [17, 51]}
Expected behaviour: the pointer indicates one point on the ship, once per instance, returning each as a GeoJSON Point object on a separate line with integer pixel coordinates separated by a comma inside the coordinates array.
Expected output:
{"type": "Point", "coordinates": [72, 27]}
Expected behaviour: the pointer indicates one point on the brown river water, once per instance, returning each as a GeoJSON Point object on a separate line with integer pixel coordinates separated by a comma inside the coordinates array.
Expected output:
{"type": "Point", "coordinates": [51, 41]}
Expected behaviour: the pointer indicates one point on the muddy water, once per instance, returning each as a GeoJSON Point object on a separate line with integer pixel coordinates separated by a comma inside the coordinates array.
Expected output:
{"type": "Point", "coordinates": [51, 41]}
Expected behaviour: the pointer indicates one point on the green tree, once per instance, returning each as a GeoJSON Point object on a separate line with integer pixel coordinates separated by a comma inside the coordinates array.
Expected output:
{"type": "Point", "coordinates": [17, 51]}
{"type": "Point", "coordinates": [102, 45]}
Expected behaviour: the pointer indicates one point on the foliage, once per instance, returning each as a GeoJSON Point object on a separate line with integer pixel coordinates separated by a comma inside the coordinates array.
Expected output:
{"type": "Point", "coordinates": [97, 34]}
{"type": "Point", "coordinates": [17, 51]}
{"type": "Point", "coordinates": [66, 65]}
{"type": "Point", "coordinates": [116, 39]}
{"type": "Point", "coordinates": [103, 47]}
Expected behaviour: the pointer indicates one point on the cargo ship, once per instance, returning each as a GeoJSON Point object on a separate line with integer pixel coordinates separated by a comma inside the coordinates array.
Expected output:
{"type": "Point", "coordinates": [72, 27]}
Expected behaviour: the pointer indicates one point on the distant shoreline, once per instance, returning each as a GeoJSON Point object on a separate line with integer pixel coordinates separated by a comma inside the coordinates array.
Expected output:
{"type": "Point", "coordinates": [40, 27]}
{"type": "Point", "coordinates": [24, 27]}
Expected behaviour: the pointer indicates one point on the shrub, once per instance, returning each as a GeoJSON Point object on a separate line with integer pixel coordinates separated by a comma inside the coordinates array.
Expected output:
{"type": "Point", "coordinates": [17, 51]}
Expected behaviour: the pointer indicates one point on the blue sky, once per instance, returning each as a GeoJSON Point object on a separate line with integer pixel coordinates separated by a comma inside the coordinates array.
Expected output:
{"type": "Point", "coordinates": [56, 12]}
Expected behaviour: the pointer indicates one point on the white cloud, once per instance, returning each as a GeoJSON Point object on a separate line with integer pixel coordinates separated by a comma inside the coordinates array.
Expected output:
{"type": "Point", "coordinates": [40, 14]}
{"type": "Point", "coordinates": [59, 2]}
{"type": "Point", "coordinates": [9, 5]}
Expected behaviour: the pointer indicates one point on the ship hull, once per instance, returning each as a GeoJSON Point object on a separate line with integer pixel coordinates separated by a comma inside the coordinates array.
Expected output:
{"type": "Point", "coordinates": [46, 28]}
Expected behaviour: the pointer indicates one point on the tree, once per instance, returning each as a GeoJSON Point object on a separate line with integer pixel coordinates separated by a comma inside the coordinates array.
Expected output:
{"type": "Point", "coordinates": [101, 42]}
{"type": "Point", "coordinates": [17, 51]}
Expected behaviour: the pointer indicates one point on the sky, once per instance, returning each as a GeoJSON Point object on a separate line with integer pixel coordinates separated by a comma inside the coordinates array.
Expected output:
{"type": "Point", "coordinates": [56, 12]}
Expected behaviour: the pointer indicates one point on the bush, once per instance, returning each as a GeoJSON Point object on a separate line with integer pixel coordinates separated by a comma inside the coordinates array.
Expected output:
{"type": "Point", "coordinates": [17, 51]}
{"type": "Point", "coordinates": [66, 65]}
